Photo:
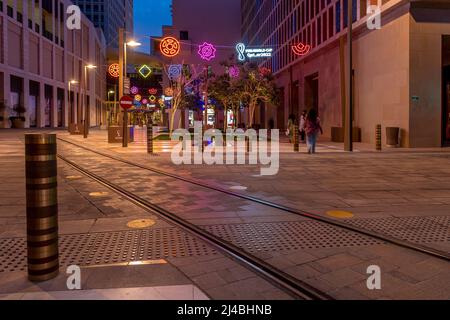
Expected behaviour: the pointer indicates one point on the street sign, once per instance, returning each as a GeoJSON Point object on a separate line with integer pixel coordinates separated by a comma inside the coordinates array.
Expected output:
{"type": "Point", "coordinates": [126, 102]}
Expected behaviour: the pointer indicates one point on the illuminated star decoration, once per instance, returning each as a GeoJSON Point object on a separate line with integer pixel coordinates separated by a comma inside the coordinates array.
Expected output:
{"type": "Point", "coordinates": [114, 70]}
{"type": "Point", "coordinates": [134, 90]}
{"type": "Point", "coordinates": [153, 91]}
{"type": "Point", "coordinates": [207, 51]}
{"type": "Point", "coordinates": [234, 72]}
{"type": "Point", "coordinates": [301, 49]}
{"type": "Point", "coordinates": [174, 71]}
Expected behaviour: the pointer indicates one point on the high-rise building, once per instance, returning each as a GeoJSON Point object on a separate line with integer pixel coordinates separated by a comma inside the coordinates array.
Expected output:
{"type": "Point", "coordinates": [47, 74]}
{"type": "Point", "coordinates": [109, 15]}
{"type": "Point", "coordinates": [401, 67]}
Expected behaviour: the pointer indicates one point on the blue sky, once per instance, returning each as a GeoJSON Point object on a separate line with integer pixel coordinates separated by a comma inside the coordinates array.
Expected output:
{"type": "Point", "coordinates": [149, 16]}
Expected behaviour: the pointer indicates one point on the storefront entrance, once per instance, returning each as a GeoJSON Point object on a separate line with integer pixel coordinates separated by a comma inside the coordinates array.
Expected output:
{"type": "Point", "coordinates": [446, 107]}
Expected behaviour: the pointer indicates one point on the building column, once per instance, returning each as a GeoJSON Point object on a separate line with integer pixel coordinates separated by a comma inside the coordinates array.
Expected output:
{"type": "Point", "coordinates": [40, 110]}
{"type": "Point", "coordinates": [26, 100]}
{"type": "Point", "coordinates": [54, 108]}
{"type": "Point", "coordinates": [67, 106]}
{"type": "Point", "coordinates": [5, 86]}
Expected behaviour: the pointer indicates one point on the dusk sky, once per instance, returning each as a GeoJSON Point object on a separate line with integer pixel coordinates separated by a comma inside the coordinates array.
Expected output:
{"type": "Point", "coordinates": [149, 16]}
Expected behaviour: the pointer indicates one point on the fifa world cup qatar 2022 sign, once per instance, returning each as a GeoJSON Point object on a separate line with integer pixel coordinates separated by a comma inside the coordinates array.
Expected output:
{"type": "Point", "coordinates": [245, 53]}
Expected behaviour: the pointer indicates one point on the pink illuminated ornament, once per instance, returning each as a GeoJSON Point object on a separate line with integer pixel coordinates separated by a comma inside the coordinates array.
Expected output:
{"type": "Point", "coordinates": [207, 51]}
{"type": "Point", "coordinates": [301, 49]}
{"type": "Point", "coordinates": [144, 101]}
{"type": "Point", "coordinates": [234, 72]}
{"type": "Point", "coordinates": [134, 90]}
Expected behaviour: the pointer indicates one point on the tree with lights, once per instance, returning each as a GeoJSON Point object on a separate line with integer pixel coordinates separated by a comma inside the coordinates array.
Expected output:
{"type": "Point", "coordinates": [225, 89]}
{"type": "Point", "coordinates": [257, 86]}
{"type": "Point", "coordinates": [178, 87]}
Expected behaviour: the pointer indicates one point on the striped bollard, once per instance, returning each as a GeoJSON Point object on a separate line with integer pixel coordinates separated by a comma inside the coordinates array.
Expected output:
{"type": "Point", "coordinates": [378, 138]}
{"type": "Point", "coordinates": [149, 136]}
{"type": "Point", "coordinates": [42, 206]}
{"type": "Point", "coordinates": [296, 139]}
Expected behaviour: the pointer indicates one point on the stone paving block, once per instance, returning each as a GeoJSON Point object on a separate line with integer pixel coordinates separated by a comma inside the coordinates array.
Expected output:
{"type": "Point", "coordinates": [337, 262]}
{"type": "Point", "coordinates": [300, 257]}
{"type": "Point", "coordinates": [209, 280]}
{"type": "Point", "coordinates": [343, 277]}
{"type": "Point", "coordinates": [303, 272]}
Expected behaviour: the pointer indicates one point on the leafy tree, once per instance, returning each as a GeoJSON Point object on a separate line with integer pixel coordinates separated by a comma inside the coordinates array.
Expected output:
{"type": "Point", "coordinates": [180, 99]}
{"type": "Point", "coordinates": [257, 86]}
{"type": "Point", "coordinates": [226, 91]}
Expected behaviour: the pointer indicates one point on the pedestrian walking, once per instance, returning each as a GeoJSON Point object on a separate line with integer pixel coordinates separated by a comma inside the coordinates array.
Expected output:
{"type": "Point", "coordinates": [302, 126]}
{"type": "Point", "coordinates": [313, 127]}
{"type": "Point", "coordinates": [290, 127]}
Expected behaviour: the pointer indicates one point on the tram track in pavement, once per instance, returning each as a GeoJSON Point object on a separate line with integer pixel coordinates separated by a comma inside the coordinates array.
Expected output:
{"type": "Point", "coordinates": [332, 222]}
{"type": "Point", "coordinates": [297, 289]}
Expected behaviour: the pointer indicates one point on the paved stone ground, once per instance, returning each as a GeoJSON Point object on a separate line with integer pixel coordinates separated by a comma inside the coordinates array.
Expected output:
{"type": "Point", "coordinates": [188, 269]}
{"type": "Point", "coordinates": [401, 193]}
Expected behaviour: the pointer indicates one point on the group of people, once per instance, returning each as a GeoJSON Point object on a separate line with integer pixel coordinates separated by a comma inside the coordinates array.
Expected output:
{"type": "Point", "coordinates": [309, 127]}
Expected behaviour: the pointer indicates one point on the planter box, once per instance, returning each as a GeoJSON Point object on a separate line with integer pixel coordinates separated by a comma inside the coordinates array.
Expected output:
{"type": "Point", "coordinates": [18, 124]}
{"type": "Point", "coordinates": [115, 134]}
{"type": "Point", "coordinates": [393, 137]}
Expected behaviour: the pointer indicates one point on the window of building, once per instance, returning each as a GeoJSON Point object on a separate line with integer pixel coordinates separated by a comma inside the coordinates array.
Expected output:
{"type": "Point", "coordinates": [184, 35]}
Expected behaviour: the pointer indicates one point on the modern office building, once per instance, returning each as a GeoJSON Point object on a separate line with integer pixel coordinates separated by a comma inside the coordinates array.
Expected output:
{"type": "Point", "coordinates": [109, 15]}
{"type": "Point", "coordinates": [40, 59]}
{"type": "Point", "coordinates": [401, 74]}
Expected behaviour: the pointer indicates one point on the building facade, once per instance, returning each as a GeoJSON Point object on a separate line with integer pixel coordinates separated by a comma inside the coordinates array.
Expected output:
{"type": "Point", "coordinates": [40, 59]}
{"type": "Point", "coordinates": [401, 71]}
{"type": "Point", "coordinates": [109, 15]}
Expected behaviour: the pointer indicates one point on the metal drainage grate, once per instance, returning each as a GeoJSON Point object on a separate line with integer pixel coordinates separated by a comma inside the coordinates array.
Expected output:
{"type": "Point", "coordinates": [287, 236]}
{"type": "Point", "coordinates": [413, 229]}
{"type": "Point", "coordinates": [109, 248]}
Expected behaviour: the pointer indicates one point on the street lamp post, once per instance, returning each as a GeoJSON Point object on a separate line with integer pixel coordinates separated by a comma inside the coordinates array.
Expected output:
{"type": "Point", "coordinates": [71, 106]}
{"type": "Point", "coordinates": [123, 69]}
{"type": "Point", "coordinates": [86, 105]}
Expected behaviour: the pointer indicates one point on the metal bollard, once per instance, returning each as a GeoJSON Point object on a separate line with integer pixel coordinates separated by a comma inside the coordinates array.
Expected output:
{"type": "Point", "coordinates": [149, 136]}
{"type": "Point", "coordinates": [296, 139]}
{"type": "Point", "coordinates": [42, 206]}
{"type": "Point", "coordinates": [378, 137]}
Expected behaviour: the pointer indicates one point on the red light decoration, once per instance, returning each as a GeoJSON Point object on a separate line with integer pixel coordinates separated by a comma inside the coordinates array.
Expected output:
{"type": "Point", "coordinates": [301, 49]}
{"type": "Point", "coordinates": [170, 47]}
{"type": "Point", "coordinates": [114, 70]}
{"type": "Point", "coordinates": [153, 91]}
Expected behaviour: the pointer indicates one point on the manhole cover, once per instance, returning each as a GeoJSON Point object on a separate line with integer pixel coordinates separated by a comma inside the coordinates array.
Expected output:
{"type": "Point", "coordinates": [141, 224]}
{"type": "Point", "coordinates": [340, 214]}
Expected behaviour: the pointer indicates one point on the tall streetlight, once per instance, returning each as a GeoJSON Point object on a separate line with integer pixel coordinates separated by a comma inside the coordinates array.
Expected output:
{"type": "Point", "coordinates": [87, 108]}
{"type": "Point", "coordinates": [71, 106]}
{"type": "Point", "coordinates": [123, 68]}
